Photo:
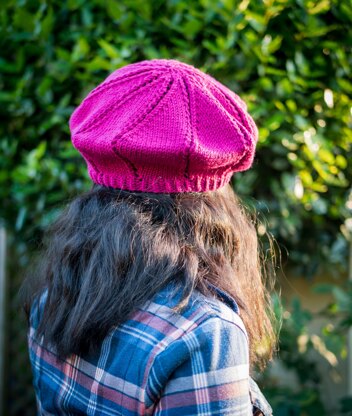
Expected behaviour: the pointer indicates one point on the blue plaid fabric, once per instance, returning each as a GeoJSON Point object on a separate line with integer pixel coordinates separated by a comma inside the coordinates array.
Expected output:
{"type": "Point", "coordinates": [158, 363]}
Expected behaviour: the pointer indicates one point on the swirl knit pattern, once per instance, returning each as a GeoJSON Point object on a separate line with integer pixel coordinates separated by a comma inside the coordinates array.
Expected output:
{"type": "Point", "coordinates": [163, 126]}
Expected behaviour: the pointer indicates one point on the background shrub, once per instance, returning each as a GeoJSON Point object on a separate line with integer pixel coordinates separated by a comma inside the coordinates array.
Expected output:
{"type": "Point", "coordinates": [290, 60]}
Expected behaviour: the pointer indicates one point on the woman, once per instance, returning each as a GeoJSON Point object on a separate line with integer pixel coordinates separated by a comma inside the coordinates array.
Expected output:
{"type": "Point", "coordinates": [150, 297]}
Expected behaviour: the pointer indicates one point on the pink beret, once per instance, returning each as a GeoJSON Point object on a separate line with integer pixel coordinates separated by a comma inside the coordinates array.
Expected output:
{"type": "Point", "coordinates": [163, 126]}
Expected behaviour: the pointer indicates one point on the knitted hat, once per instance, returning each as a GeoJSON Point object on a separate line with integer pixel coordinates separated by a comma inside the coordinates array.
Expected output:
{"type": "Point", "coordinates": [163, 126]}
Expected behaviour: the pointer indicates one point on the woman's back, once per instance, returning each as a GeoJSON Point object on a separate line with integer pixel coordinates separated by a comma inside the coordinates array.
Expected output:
{"type": "Point", "coordinates": [158, 362]}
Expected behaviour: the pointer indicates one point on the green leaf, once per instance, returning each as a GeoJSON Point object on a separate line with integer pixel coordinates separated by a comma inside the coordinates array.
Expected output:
{"type": "Point", "coordinates": [109, 49]}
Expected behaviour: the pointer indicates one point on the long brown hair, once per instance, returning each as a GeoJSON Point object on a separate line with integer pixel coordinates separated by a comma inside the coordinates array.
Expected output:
{"type": "Point", "coordinates": [111, 250]}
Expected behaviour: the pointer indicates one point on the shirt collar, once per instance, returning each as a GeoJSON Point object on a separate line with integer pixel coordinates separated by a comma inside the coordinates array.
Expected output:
{"type": "Point", "coordinates": [225, 297]}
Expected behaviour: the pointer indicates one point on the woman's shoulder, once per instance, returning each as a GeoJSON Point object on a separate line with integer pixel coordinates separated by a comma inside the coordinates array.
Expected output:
{"type": "Point", "coordinates": [206, 348]}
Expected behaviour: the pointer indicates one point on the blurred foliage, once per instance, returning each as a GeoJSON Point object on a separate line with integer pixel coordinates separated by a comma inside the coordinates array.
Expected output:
{"type": "Point", "coordinates": [299, 348]}
{"type": "Point", "coordinates": [290, 60]}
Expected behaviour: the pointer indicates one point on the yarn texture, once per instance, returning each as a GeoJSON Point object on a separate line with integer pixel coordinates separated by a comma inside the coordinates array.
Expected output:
{"type": "Point", "coordinates": [163, 126]}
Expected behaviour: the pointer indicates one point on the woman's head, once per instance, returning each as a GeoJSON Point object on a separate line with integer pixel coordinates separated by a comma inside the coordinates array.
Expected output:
{"type": "Point", "coordinates": [111, 250]}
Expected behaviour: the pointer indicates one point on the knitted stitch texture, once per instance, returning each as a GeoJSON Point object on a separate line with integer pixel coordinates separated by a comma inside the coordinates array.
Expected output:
{"type": "Point", "coordinates": [163, 126]}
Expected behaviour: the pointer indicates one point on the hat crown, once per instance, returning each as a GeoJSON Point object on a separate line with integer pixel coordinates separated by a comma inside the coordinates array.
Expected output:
{"type": "Point", "coordinates": [163, 126]}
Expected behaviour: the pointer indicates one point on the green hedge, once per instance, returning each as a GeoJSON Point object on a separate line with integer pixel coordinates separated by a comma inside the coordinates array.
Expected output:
{"type": "Point", "coordinates": [289, 59]}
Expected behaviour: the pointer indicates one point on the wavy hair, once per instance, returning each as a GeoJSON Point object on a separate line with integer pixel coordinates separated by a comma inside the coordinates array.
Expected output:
{"type": "Point", "coordinates": [111, 250]}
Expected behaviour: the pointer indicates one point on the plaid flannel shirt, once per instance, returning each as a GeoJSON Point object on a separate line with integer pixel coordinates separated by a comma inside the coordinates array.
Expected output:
{"type": "Point", "coordinates": [158, 363]}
